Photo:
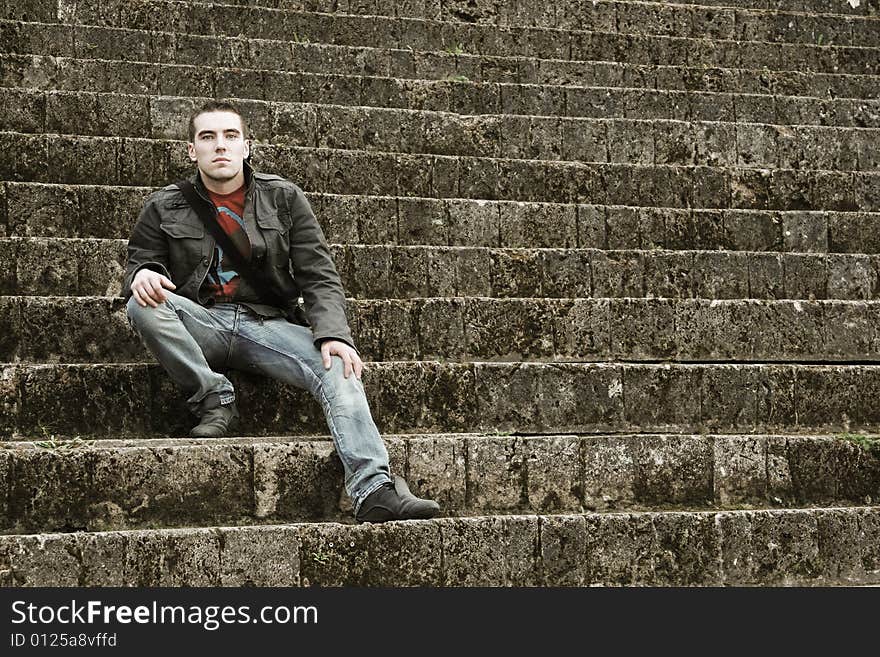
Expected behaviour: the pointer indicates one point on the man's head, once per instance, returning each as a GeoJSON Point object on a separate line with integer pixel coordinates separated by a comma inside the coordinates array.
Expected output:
{"type": "Point", "coordinates": [218, 143]}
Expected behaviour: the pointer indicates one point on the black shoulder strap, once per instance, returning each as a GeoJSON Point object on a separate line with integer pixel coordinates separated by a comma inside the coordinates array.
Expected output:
{"type": "Point", "coordinates": [207, 213]}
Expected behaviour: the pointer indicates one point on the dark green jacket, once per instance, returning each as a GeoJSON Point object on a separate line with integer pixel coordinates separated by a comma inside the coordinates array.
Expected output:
{"type": "Point", "coordinates": [287, 244]}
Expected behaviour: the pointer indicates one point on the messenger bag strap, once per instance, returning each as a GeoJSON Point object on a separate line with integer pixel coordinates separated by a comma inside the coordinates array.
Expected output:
{"type": "Point", "coordinates": [208, 213]}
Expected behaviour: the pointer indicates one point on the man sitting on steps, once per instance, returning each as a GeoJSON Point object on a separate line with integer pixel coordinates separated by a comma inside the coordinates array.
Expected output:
{"type": "Point", "coordinates": [236, 305]}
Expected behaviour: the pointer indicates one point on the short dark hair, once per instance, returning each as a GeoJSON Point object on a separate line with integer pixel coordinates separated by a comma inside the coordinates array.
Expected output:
{"type": "Point", "coordinates": [215, 106]}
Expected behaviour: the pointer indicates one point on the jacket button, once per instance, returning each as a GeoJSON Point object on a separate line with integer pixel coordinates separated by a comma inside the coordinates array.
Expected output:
{"type": "Point", "coordinates": [205, 260]}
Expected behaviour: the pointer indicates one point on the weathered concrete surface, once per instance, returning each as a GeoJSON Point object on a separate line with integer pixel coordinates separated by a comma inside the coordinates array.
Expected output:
{"type": "Point", "coordinates": [98, 488]}
{"type": "Point", "coordinates": [678, 33]}
{"type": "Point", "coordinates": [636, 140]}
{"type": "Point", "coordinates": [38, 266]}
{"type": "Point", "coordinates": [194, 50]}
{"type": "Point", "coordinates": [374, 173]}
{"type": "Point", "coordinates": [802, 547]}
{"type": "Point", "coordinates": [426, 396]}
{"type": "Point", "coordinates": [693, 95]}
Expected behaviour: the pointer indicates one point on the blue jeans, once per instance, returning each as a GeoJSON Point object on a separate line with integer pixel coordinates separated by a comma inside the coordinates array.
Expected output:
{"type": "Point", "coordinates": [191, 341]}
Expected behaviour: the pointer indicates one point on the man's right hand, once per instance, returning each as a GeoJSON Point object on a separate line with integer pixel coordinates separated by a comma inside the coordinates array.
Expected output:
{"type": "Point", "coordinates": [147, 287]}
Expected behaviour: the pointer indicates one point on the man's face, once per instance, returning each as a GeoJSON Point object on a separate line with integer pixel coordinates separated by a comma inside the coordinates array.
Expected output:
{"type": "Point", "coordinates": [219, 148]}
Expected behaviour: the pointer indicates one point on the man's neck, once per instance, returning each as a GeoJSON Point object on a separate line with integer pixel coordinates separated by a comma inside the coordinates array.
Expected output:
{"type": "Point", "coordinates": [223, 186]}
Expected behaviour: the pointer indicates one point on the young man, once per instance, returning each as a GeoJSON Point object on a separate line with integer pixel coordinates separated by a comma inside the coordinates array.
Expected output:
{"type": "Point", "coordinates": [198, 315]}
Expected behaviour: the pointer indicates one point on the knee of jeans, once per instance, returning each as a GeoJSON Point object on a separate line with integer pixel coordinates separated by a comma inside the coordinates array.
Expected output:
{"type": "Point", "coordinates": [338, 388]}
{"type": "Point", "coordinates": [140, 316]}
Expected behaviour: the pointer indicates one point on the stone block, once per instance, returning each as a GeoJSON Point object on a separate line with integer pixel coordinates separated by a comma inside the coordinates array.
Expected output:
{"type": "Point", "coordinates": [853, 277]}
{"type": "Point", "coordinates": [297, 481]}
{"type": "Point", "coordinates": [672, 470]}
{"type": "Point", "coordinates": [582, 329]}
{"type": "Point", "coordinates": [442, 265]}
{"type": "Point", "coordinates": [407, 273]}
{"type": "Point", "coordinates": [591, 230]}
{"type": "Point", "coordinates": [805, 231]}
{"type": "Point", "coordinates": [669, 275]}
{"type": "Point", "coordinates": [687, 550]}
{"type": "Point", "coordinates": [180, 557]}
{"type": "Point", "coordinates": [630, 142]}
{"type": "Point", "coordinates": [806, 276]}
{"type": "Point", "coordinates": [474, 272]}
{"type": "Point", "coordinates": [767, 275]}
{"type": "Point", "coordinates": [584, 140]}
{"type": "Point", "coordinates": [854, 337]}
{"type": "Point", "coordinates": [749, 230]}
{"type": "Point", "coordinates": [369, 270]}
{"type": "Point", "coordinates": [619, 549]}
{"type": "Point", "coordinates": [563, 550]}
{"type": "Point", "coordinates": [839, 546]}
{"type": "Point", "coordinates": [739, 470]}
{"type": "Point", "coordinates": [541, 225]}
{"type": "Point", "coordinates": [516, 273]}
{"type": "Point", "coordinates": [728, 397]}
{"type": "Point", "coordinates": [852, 233]}
{"type": "Point", "coordinates": [713, 330]}
{"type": "Point", "coordinates": [260, 556]}
{"type": "Point", "coordinates": [449, 401]}
{"type": "Point", "coordinates": [35, 210]}
{"type": "Point", "coordinates": [787, 330]}
{"type": "Point", "coordinates": [442, 329]}
{"type": "Point", "coordinates": [674, 142]}
{"type": "Point", "coordinates": [472, 223]}
{"type": "Point", "coordinates": [623, 228]}
{"type": "Point", "coordinates": [566, 273]}
{"type": "Point", "coordinates": [496, 477]}
{"type": "Point", "coordinates": [661, 398]}
{"type": "Point", "coordinates": [726, 276]}
{"type": "Point", "coordinates": [44, 267]}
{"type": "Point", "coordinates": [507, 330]}
{"type": "Point", "coordinates": [785, 547]}
{"type": "Point", "coordinates": [617, 274]}
{"type": "Point", "coordinates": [836, 398]}
{"type": "Point", "coordinates": [495, 551]}
{"type": "Point", "coordinates": [714, 144]}
{"type": "Point", "coordinates": [168, 486]}
{"type": "Point", "coordinates": [436, 469]}
{"type": "Point", "coordinates": [39, 560]}
{"type": "Point", "coordinates": [642, 329]}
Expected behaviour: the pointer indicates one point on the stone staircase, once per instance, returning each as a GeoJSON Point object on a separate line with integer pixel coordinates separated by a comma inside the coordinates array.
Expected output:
{"type": "Point", "coordinates": [613, 265]}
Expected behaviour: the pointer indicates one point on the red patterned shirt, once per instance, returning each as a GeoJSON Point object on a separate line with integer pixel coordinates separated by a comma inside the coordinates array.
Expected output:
{"type": "Point", "coordinates": [222, 281]}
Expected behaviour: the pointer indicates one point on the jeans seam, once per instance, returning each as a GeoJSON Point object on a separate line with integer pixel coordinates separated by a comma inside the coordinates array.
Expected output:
{"type": "Point", "coordinates": [324, 400]}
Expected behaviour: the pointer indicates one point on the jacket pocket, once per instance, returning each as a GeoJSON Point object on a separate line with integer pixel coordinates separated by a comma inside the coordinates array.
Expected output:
{"type": "Point", "coordinates": [181, 230]}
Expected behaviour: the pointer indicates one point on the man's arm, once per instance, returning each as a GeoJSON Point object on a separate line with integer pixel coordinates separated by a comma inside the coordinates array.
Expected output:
{"type": "Point", "coordinates": [147, 247]}
{"type": "Point", "coordinates": [316, 275]}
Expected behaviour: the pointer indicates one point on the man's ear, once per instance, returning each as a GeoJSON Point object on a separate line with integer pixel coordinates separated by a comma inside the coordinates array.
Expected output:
{"type": "Point", "coordinates": [191, 149]}
{"type": "Point", "coordinates": [247, 148]}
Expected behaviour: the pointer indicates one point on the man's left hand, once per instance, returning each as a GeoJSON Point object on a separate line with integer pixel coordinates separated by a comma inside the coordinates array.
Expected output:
{"type": "Point", "coordinates": [346, 352]}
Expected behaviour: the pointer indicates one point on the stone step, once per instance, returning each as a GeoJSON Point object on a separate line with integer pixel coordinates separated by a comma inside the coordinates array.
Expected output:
{"type": "Point", "coordinates": [425, 396]}
{"type": "Point", "coordinates": [95, 211]}
{"type": "Point", "coordinates": [613, 96]}
{"type": "Point", "coordinates": [89, 267]}
{"type": "Point", "coordinates": [131, 161]}
{"type": "Point", "coordinates": [613, 90]}
{"type": "Point", "coordinates": [95, 330]}
{"type": "Point", "coordinates": [565, 14]}
{"type": "Point", "coordinates": [611, 23]}
{"type": "Point", "coordinates": [629, 141]}
{"type": "Point", "coordinates": [693, 68]}
{"type": "Point", "coordinates": [61, 486]}
{"type": "Point", "coordinates": [834, 546]}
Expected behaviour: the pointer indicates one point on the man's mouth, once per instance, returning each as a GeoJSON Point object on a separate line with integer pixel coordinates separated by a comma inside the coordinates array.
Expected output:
{"type": "Point", "coordinates": [220, 160]}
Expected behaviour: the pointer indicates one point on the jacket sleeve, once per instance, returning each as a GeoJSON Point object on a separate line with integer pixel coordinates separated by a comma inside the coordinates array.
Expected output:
{"type": "Point", "coordinates": [315, 273]}
{"type": "Point", "coordinates": [147, 246]}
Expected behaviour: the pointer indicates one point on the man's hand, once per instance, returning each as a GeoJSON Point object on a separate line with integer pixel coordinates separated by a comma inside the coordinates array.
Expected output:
{"type": "Point", "coordinates": [347, 353]}
{"type": "Point", "coordinates": [147, 287]}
